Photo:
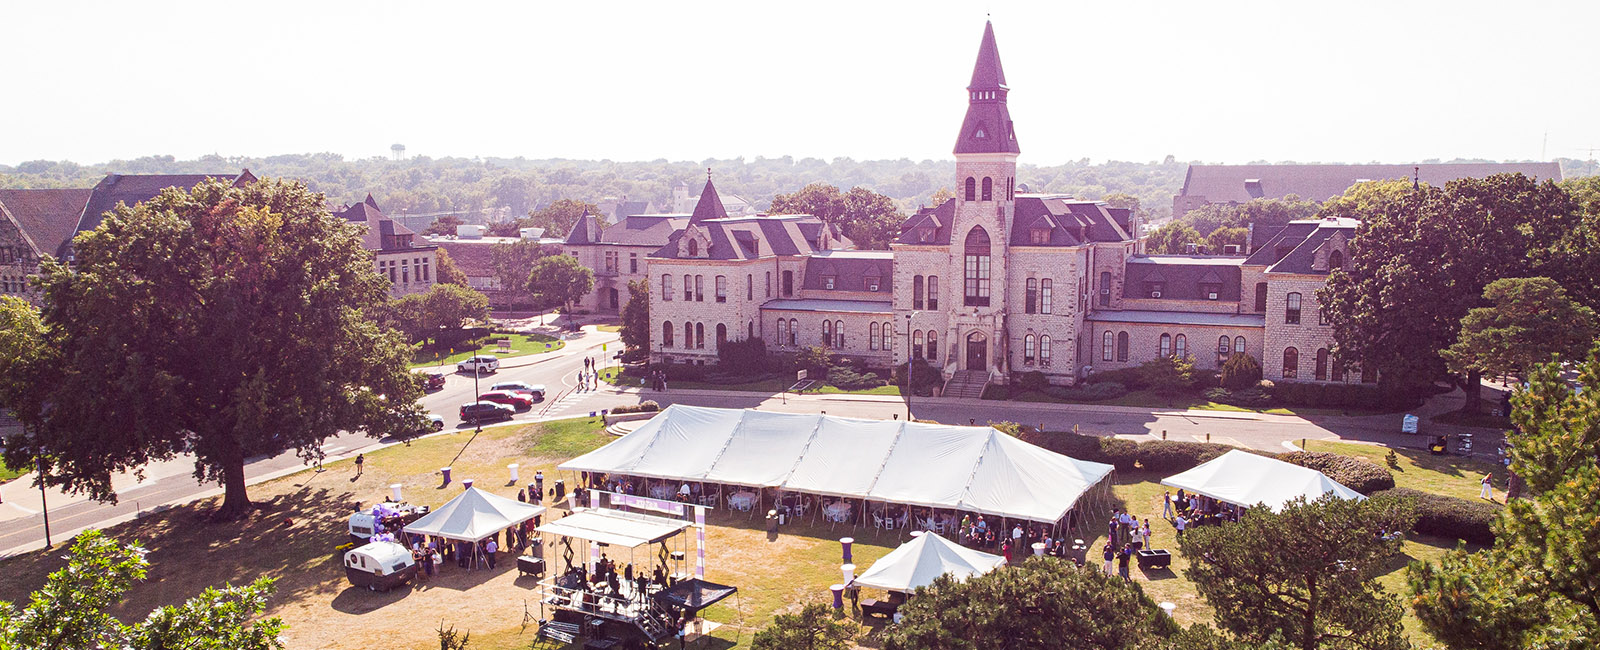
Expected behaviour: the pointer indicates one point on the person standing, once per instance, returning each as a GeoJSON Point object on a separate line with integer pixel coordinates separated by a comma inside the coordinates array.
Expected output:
{"type": "Point", "coordinates": [1488, 487]}
{"type": "Point", "coordinates": [522, 496]}
{"type": "Point", "coordinates": [1110, 555]}
{"type": "Point", "coordinates": [1144, 531]}
{"type": "Point", "coordinates": [1180, 522]}
{"type": "Point", "coordinates": [1166, 505]}
{"type": "Point", "coordinates": [489, 549]}
{"type": "Point", "coordinates": [361, 460]}
{"type": "Point", "coordinates": [1122, 562]}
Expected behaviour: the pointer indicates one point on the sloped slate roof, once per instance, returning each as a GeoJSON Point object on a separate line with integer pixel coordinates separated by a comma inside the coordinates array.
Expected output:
{"type": "Point", "coordinates": [987, 127]}
{"type": "Point", "coordinates": [709, 206]}
{"type": "Point", "coordinates": [49, 217]}
{"type": "Point", "coordinates": [134, 189]}
{"type": "Point", "coordinates": [1298, 243]}
{"type": "Point", "coordinates": [1143, 316]}
{"type": "Point", "coordinates": [1182, 277]}
{"type": "Point", "coordinates": [748, 238]}
{"type": "Point", "coordinates": [934, 222]}
{"type": "Point", "coordinates": [1224, 183]}
{"type": "Point", "coordinates": [849, 273]}
{"type": "Point", "coordinates": [378, 225]}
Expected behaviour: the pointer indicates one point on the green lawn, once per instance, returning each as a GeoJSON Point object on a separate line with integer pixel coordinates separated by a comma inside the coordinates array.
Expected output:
{"type": "Point", "coordinates": [774, 386]}
{"type": "Point", "coordinates": [1417, 469]}
{"type": "Point", "coordinates": [521, 345]}
{"type": "Point", "coordinates": [609, 328]}
{"type": "Point", "coordinates": [6, 473]}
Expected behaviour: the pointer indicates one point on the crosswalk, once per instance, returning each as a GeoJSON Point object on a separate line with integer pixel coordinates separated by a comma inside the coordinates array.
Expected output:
{"type": "Point", "coordinates": [565, 403]}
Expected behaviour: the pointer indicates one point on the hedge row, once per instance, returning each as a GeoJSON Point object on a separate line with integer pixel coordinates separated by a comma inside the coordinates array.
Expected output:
{"type": "Point", "coordinates": [1351, 472]}
{"type": "Point", "coordinates": [1295, 393]}
{"type": "Point", "coordinates": [1124, 454]}
{"type": "Point", "coordinates": [1451, 517]}
{"type": "Point", "coordinates": [647, 406]}
{"type": "Point", "coordinates": [1178, 455]}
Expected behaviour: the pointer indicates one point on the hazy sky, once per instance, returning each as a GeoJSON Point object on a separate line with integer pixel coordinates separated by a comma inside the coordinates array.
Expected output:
{"type": "Point", "coordinates": [1129, 80]}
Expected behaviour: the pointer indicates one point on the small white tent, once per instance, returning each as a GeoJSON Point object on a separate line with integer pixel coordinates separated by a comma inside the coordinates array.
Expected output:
{"type": "Point", "coordinates": [977, 469]}
{"type": "Point", "coordinates": [1245, 479]}
{"type": "Point", "coordinates": [917, 562]}
{"type": "Point", "coordinates": [473, 516]}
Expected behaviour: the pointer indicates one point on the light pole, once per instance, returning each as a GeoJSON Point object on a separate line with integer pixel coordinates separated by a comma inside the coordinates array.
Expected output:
{"type": "Point", "coordinates": [477, 422]}
{"type": "Point", "coordinates": [909, 367]}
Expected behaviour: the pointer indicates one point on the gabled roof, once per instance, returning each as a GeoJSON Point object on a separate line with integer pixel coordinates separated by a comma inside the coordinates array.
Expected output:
{"type": "Point", "coordinates": [927, 556]}
{"type": "Point", "coordinates": [1246, 479]}
{"type": "Point", "coordinates": [1241, 183]}
{"type": "Point", "coordinates": [49, 218]}
{"type": "Point", "coordinates": [929, 226]}
{"type": "Point", "coordinates": [1182, 277]}
{"type": "Point", "coordinates": [585, 231]}
{"type": "Point", "coordinates": [1294, 248]}
{"type": "Point", "coordinates": [134, 189]}
{"type": "Point", "coordinates": [748, 238]}
{"type": "Point", "coordinates": [379, 227]}
{"type": "Point", "coordinates": [474, 515]}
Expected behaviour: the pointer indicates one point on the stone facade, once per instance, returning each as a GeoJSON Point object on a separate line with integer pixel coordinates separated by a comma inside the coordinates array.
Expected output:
{"type": "Point", "coordinates": [18, 260]}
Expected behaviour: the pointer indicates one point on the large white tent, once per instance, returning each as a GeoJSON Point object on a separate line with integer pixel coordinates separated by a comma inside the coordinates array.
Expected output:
{"type": "Point", "coordinates": [1245, 479]}
{"type": "Point", "coordinates": [927, 556]}
{"type": "Point", "coordinates": [978, 469]}
{"type": "Point", "coordinates": [474, 515]}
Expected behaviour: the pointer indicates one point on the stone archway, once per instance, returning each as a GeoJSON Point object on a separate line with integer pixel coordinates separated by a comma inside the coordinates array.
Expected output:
{"type": "Point", "coordinates": [977, 351]}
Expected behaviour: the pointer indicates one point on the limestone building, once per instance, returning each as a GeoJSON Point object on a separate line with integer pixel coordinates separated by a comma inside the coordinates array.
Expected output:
{"type": "Point", "coordinates": [989, 285]}
{"type": "Point", "coordinates": [408, 264]}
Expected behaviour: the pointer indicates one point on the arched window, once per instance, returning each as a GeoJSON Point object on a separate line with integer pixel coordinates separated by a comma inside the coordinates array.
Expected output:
{"type": "Point", "coordinates": [1105, 288]}
{"type": "Point", "coordinates": [694, 248]}
{"type": "Point", "coordinates": [988, 189]}
{"type": "Point", "coordinates": [977, 267]}
{"type": "Point", "coordinates": [1027, 349]}
{"type": "Point", "coordinates": [1031, 301]}
{"type": "Point", "coordinates": [1166, 345]}
{"type": "Point", "coordinates": [1291, 363]}
{"type": "Point", "coordinates": [699, 288]}
{"type": "Point", "coordinates": [1224, 345]}
{"type": "Point", "coordinates": [1122, 346]}
{"type": "Point", "coordinates": [1336, 370]}
{"type": "Point", "coordinates": [916, 344]}
{"type": "Point", "coordinates": [888, 333]}
{"type": "Point", "coordinates": [933, 292]}
{"type": "Point", "coordinates": [1291, 309]}
{"type": "Point", "coordinates": [783, 332]}
{"type": "Point", "coordinates": [688, 335]}
{"type": "Point", "coordinates": [838, 334]}
{"type": "Point", "coordinates": [872, 335]}
{"type": "Point", "coordinates": [1106, 346]}
{"type": "Point", "coordinates": [1181, 347]}
{"type": "Point", "coordinates": [722, 335]}
{"type": "Point", "coordinates": [827, 332]}
{"type": "Point", "coordinates": [749, 286]}
{"type": "Point", "coordinates": [794, 332]}
{"type": "Point", "coordinates": [1044, 296]}
{"type": "Point", "coordinates": [1044, 350]}
{"type": "Point", "coordinates": [666, 334]}
{"type": "Point", "coordinates": [1238, 344]}
{"type": "Point", "coordinates": [1335, 260]}
{"type": "Point", "coordinates": [933, 346]}
{"type": "Point", "coordinates": [722, 288]}
{"type": "Point", "coordinates": [1322, 364]}
{"type": "Point", "coordinates": [700, 336]}
{"type": "Point", "coordinates": [688, 287]}
{"type": "Point", "coordinates": [916, 292]}
{"type": "Point", "coordinates": [1261, 296]}
{"type": "Point", "coordinates": [750, 326]}
{"type": "Point", "coordinates": [666, 287]}
{"type": "Point", "coordinates": [788, 283]}
{"type": "Point", "coordinates": [972, 189]}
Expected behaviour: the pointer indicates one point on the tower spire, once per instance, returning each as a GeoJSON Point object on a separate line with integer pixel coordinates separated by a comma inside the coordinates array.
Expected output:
{"type": "Point", "coordinates": [987, 127]}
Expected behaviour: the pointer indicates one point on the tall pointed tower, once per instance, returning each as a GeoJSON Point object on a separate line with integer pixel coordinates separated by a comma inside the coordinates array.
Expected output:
{"type": "Point", "coordinates": [986, 168]}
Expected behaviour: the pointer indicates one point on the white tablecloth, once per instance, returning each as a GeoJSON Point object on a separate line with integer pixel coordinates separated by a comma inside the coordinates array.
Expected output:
{"type": "Point", "coordinates": [836, 511]}
{"type": "Point", "coordinates": [742, 500]}
{"type": "Point", "coordinates": [661, 491]}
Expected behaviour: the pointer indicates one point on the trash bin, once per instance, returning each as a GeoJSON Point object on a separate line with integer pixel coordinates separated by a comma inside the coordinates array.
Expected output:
{"type": "Point", "coordinates": [772, 521]}
{"type": "Point", "coordinates": [783, 518]}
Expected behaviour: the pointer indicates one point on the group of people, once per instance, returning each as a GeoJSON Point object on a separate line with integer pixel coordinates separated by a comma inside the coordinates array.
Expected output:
{"type": "Point", "coordinates": [1015, 543]}
{"type": "Point", "coordinates": [1189, 509]}
{"type": "Point", "coordinates": [657, 379]}
{"type": "Point", "coordinates": [589, 377]}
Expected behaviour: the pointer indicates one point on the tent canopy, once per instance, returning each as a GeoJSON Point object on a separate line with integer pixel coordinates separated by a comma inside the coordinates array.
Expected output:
{"type": "Point", "coordinates": [474, 515]}
{"type": "Point", "coordinates": [916, 563]}
{"type": "Point", "coordinates": [1245, 479]}
{"type": "Point", "coordinates": [615, 527]}
{"type": "Point", "coordinates": [694, 594]}
{"type": "Point", "coordinates": [979, 469]}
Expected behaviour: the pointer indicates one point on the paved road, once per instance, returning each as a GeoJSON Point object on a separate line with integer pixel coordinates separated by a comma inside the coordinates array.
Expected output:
{"type": "Point", "coordinates": [558, 372]}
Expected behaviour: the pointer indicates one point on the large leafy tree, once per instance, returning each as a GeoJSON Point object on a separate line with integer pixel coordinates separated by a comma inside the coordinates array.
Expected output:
{"type": "Point", "coordinates": [25, 359]}
{"type": "Point", "coordinates": [1042, 603]}
{"type": "Point", "coordinates": [814, 628]}
{"type": "Point", "coordinates": [425, 316]}
{"type": "Point", "coordinates": [559, 280]}
{"type": "Point", "coordinates": [1536, 588]}
{"type": "Point", "coordinates": [636, 317]}
{"type": "Point", "coordinates": [1532, 319]}
{"type": "Point", "coordinates": [1571, 260]}
{"type": "Point", "coordinates": [1266, 215]}
{"type": "Point", "coordinates": [511, 264]}
{"type": "Point", "coordinates": [1303, 574]}
{"type": "Point", "coordinates": [70, 610]}
{"type": "Point", "coordinates": [1172, 238]}
{"type": "Point", "coordinates": [1420, 261]}
{"type": "Point", "coordinates": [558, 217]}
{"type": "Point", "coordinates": [447, 272]}
{"type": "Point", "coordinates": [228, 322]}
{"type": "Point", "coordinates": [868, 218]}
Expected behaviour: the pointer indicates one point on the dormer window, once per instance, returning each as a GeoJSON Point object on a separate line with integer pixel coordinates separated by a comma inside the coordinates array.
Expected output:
{"type": "Point", "coordinates": [694, 248]}
{"type": "Point", "coordinates": [979, 133]}
{"type": "Point", "coordinates": [1039, 235]}
{"type": "Point", "coordinates": [870, 282]}
{"type": "Point", "coordinates": [927, 233]}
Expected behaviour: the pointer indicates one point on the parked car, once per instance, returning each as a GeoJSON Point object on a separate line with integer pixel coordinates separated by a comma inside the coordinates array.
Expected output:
{"type": "Point", "coordinates": [435, 422]}
{"type": "Point", "coordinates": [480, 411]}
{"type": "Point", "coordinates": [515, 400]}
{"type": "Point", "coordinates": [534, 392]}
{"type": "Point", "coordinates": [435, 380]}
{"type": "Point", "coordinates": [481, 363]}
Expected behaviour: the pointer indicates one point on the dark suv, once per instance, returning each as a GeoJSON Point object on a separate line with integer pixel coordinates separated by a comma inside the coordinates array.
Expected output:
{"type": "Point", "coordinates": [479, 411]}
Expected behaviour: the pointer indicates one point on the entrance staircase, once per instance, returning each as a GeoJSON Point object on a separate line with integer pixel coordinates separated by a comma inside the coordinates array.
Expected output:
{"type": "Point", "coordinates": [966, 383]}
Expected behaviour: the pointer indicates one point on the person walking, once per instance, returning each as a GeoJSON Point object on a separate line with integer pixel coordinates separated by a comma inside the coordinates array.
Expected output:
{"type": "Point", "coordinates": [1166, 505]}
{"type": "Point", "coordinates": [1122, 562]}
{"type": "Point", "coordinates": [361, 461]}
{"type": "Point", "coordinates": [1488, 487]}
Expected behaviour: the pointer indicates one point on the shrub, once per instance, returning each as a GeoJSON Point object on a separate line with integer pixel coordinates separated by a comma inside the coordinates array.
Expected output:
{"type": "Point", "coordinates": [923, 376]}
{"type": "Point", "coordinates": [1123, 454]}
{"type": "Point", "coordinates": [683, 371]}
{"type": "Point", "coordinates": [1088, 392]}
{"type": "Point", "coordinates": [994, 392]}
{"type": "Point", "coordinates": [1248, 398]}
{"type": "Point", "coordinates": [1240, 371]}
{"type": "Point", "coordinates": [1007, 427]}
{"type": "Point", "coordinates": [1177, 455]}
{"type": "Point", "coordinates": [745, 356]}
{"type": "Point", "coordinates": [1033, 380]}
{"type": "Point", "coordinates": [847, 378]}
{"type": "Point", "coordinates": [1296, 393]}
{"type": "Point", "coordinates": [647, 406]}
{"type": "Point", "coordinates": [1133, 378]}
{"type": "Point", "coordinates": [1351, 472]}
{"type": "Point", "coordinates": [815, 360]}
{"type": "Point", "coordinates": [1451, 517]}
{"type": "Point", "coordinates": [1168, 376]}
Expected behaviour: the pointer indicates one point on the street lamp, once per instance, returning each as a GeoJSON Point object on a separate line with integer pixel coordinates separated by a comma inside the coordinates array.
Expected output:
{"type": "Point", "coordinates": [909, 360]}
{"type": "Point", "coordinates": [478, 423]}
